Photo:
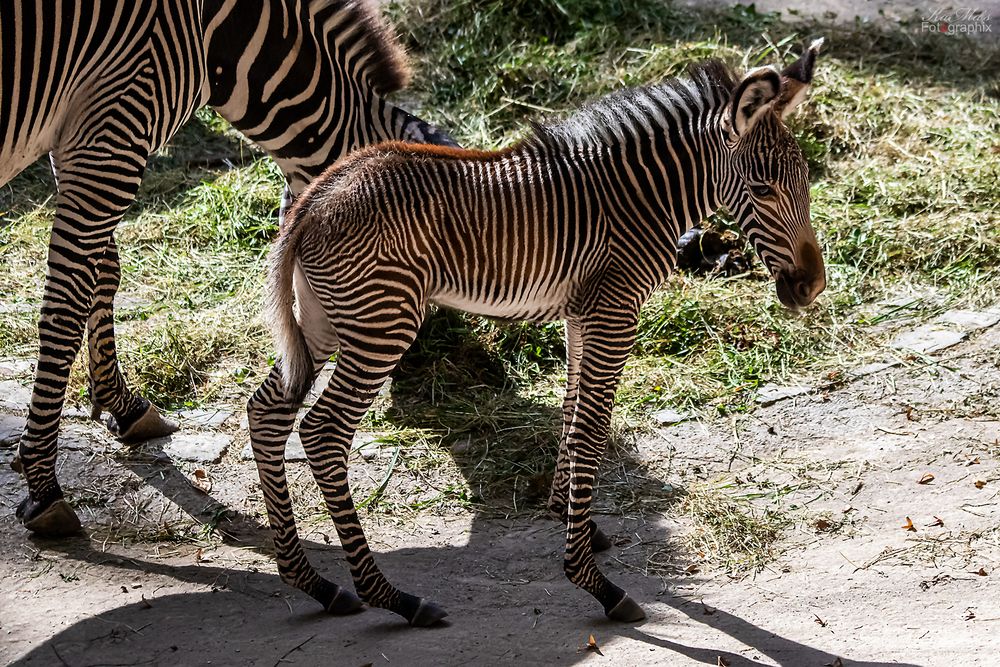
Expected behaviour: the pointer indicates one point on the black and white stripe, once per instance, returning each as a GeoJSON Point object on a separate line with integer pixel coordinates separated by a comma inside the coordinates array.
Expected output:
{"type": "Point", "coordinates": [580, 222]}
{"type": "Point", "coordinates": [100, 85]}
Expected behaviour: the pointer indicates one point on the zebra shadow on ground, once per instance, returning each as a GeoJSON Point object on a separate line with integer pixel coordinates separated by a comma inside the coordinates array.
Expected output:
{"type": "Point", "coordinates": [237, 616]}
{"type": "Point", "coordinates": [500, 579]}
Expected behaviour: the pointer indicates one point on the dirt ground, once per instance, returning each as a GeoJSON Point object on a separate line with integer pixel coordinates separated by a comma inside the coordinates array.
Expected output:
{"type": "Point", "coordinates": [851, 585]}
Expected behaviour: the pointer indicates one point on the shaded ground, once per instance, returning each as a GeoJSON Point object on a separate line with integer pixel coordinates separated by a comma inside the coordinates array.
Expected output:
{"type": "Point", "coordinates": [850, 582]}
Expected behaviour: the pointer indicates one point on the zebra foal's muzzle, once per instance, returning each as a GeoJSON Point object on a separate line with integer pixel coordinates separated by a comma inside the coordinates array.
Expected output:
{"type": "Point", "coordinates": [799, 284]}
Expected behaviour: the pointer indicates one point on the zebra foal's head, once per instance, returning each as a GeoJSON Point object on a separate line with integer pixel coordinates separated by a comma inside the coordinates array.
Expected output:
{"type": "Point", "coordinates": [770, 195]}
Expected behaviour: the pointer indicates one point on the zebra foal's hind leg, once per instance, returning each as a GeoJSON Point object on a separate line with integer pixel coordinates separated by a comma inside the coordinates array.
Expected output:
{"type": "Point", "coordinates": [271, 418]}
{"type": "Point", "coordinates": [368, 354]}
{"type": "Point", "coordinates": [607, 341]}
{"type": "Point", "coordinates": [558, 503]}
{"type": "Point", "coordinates": [133, 418]}
{"type": "Point", "coordinates": [95, 188]}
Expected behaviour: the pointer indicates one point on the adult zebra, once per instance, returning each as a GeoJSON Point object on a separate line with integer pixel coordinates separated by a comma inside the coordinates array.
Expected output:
{"type": "Point", "coordinates": [100, 86]}
{"type": "Point", "coordinates": [579, 222]}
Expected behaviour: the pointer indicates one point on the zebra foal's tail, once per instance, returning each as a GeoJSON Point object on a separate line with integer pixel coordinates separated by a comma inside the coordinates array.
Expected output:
{"type": "Point", "coordinates": [293, 351]}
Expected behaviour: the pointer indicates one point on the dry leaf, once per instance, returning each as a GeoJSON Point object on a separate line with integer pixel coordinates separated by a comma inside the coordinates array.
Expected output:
{"type": "Point", "coordinates": [822, 525]}
{"type": "Point", "coordinates": [692, 568]}
{"type": "Point", "coordinates": [981, 572]}
{"type": "Point", "coordinates": [980, 483]}
{"type": "Point", "coordinates": [909, 525]}
{"type": "Point", "coordinates": [926, 479]}
{"type": "Point", "coordinates": [145, 603]}
{"type": "Point", "coordinates": [592, 645]}
{"type": "Point", "coordinates": [974, 462]}
{"type": "Point", "coordinates": [969, 614]}
{"type": "Point", "coordinates": [722, 662]}
{"type": "Point", "coordinates": [938, 522]}
{"type": "Point", "coordinates": [201, 481]}
{"type": "Point", "coordinates": [819, 621]}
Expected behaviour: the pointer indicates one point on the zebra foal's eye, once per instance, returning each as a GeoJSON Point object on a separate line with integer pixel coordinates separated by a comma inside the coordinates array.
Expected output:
{"type": "Point", "coordinates": [761, 190]}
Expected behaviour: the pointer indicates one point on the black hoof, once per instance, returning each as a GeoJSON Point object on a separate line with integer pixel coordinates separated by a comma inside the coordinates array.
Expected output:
{"type": "Point", "coordinates": [418, 611]}
{"type": "Point", "coordinates": [57, 519]}
{"type": "Point", "coordinates": [626, 611]}
{"type": "Point", "coordinates": [337, 600]}
{"type": "Point", "coordinates": [147, 425]}
{"type": "Point", "coordinates": [427, 614]}
{"type": "Point", "coordinates": [598, 540]}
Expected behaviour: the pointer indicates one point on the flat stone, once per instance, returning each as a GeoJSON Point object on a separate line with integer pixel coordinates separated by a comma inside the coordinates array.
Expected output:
{"type": "Point", "coordinates": [870, 369]}
{"type": "Point", "coordinates": [11, 428]}
{"type": "Point", "coordinates": [969, 320]}
{"type": "Point", "coordinates": [14, 395]}
{"type": "Point", "coordinates": [295, 453]}
{"type": "Point", "coordinates": [772, 393]}
{"type": "Point", "coordinates": [14, 368]}
{"type": "Point", "coordinates": [17, 308]}
{"type": "Point", "coordinates": [669, 416]}
{"type": "Point", "coordinates": [203, 418]}
{"type": "Point", "coordinates": [927, 339]}
{"type": "Point", "coordinates": [198, 447]}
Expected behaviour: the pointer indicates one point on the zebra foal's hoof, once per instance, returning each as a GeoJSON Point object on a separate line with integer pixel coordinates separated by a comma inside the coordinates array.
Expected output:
{"type": "Point", "coordinates": [56, 520]}
{"type": "Point", "coordinates": [149, 424]}
{"type": "Point", "coordinates": [418, 611]}
{"type": "Point", "coordinates": [427, 614]}
{"type": "Point", "coordinates": [337, 600]}
{"type": "Point", "coordinates": [626, 611]}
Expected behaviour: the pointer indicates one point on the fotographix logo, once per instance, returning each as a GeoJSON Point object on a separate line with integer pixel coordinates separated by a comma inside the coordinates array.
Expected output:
{"type": "Point", "coordinates": [952, 21]}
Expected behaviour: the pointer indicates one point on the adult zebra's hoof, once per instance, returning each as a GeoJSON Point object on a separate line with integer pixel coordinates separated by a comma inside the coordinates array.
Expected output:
{"type": "Point", "coordinates": [626, 611]}
{"type": "Point", "coordinates": [337, 600]}
{"type": "Point", "coordinates": [427, 614]}
{"type": "Point", "coordinates": [147, 425]}
{"type": "Point", "coordinates": [56, 520]}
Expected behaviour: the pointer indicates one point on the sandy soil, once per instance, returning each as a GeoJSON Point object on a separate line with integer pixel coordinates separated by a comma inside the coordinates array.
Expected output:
{"type": "Point", "coordinates": [851, 584]}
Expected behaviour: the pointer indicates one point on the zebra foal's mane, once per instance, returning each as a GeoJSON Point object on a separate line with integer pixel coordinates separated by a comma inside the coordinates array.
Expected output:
{"type": "Point", "coordinates": [708, 85]}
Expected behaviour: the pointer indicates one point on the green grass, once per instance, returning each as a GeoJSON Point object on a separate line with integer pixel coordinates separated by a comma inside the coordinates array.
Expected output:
{"type": "Point", "coordinates": [900, 135]}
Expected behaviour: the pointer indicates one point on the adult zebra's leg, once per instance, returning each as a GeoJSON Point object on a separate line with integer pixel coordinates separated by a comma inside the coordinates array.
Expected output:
{"type": "Point", "coordinates": [133, 418]}
{"type": "Point", "coordinates": [367, 356]}
{"type": "Point", "coordinates": [95, 188]}
{"type": "Point", "coordinates": [271, 417]}
{"type": "Point", "coordinates": [607, 341]}
{"type": "Point", "coordinates": [558, 504]}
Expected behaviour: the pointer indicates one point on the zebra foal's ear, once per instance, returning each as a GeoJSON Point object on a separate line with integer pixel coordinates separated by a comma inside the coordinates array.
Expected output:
{"type": "Point", "coordinates": [753, 97]}
{"type": "Point", "coordinates": [796, 80]}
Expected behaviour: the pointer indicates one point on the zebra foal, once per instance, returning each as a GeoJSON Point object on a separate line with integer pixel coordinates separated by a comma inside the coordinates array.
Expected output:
{"type": "Point", "coordinates": [578, 222]}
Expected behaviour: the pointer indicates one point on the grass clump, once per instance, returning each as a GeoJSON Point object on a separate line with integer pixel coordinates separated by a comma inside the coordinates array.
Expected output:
{"type": "Point", "coordinates": [730, 532]}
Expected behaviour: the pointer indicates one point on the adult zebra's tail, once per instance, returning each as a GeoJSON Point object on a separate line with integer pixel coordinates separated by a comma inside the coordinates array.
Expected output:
{"type": "Point", "coordinates": [293, 351]}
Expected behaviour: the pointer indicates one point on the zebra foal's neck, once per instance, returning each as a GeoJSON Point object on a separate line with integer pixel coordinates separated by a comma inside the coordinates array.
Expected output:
{"type": "Point", "coordinates": [657, 152]}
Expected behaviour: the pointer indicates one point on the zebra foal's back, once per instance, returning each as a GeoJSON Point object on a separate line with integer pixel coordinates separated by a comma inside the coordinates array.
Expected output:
{"type": "Point", "coordinates": [477, 228]}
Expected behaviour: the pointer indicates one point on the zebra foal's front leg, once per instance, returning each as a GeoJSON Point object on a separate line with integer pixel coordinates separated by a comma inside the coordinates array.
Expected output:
{"type": "Point", "coordinates": [95, 187]}
{"type": "Point", "coordinates": [607, 342]}
{"type": "Point", "coordinates": [271, 418]}
{"type": "Point", "coordinates": [558, 504]}
{"type": "Point", "coordinates": [133, 418]}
